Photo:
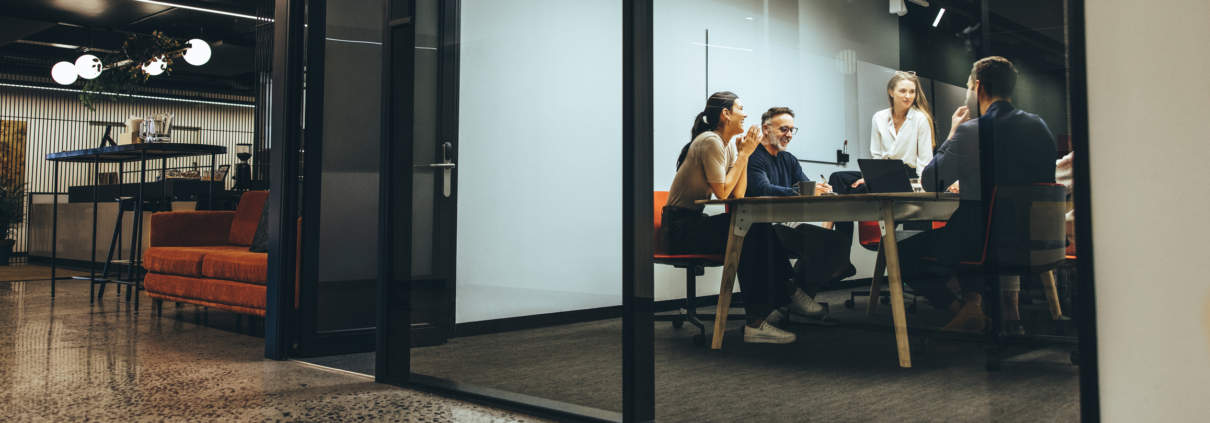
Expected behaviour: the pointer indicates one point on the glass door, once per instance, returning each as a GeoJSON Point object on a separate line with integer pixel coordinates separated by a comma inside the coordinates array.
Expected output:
{"type": "Point", "coordinates": [338, 263]}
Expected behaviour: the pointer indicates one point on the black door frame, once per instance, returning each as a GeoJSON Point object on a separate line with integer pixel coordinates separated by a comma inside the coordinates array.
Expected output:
{"type": "Point", "coordinates": [285, 136]}
{"type": "Point", "coordinates": [291, 331]}
{"type": "Point", "coordinates": [1085, 313]}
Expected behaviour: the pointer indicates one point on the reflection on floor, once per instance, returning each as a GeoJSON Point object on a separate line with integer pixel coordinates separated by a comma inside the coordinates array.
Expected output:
{"type": "Point", "coordinates": [67, 360]}
{"type": "Point", "coordinates": [830, 374]}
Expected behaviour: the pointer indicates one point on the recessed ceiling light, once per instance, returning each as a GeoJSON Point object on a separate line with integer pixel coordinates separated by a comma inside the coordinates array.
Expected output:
{"type": "Point", "coordinates": [202, 9]}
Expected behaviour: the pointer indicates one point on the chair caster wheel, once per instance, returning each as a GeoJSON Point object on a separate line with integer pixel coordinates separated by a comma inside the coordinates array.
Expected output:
{"type": "Point", "coordinates": [849, 304]}
{"type": "Point", "coordinates": [678, 323]}
{"type": "Point", "coordinates": [699, 340]}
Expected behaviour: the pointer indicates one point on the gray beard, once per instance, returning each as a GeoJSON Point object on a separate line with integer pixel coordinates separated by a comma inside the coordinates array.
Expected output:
{"type": "Point", "coordinates": [776, 145]}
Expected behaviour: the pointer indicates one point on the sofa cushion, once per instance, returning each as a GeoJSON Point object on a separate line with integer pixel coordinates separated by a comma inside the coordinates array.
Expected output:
{"type": "Point", "coordinates": [209, 290]}
{"type": "Point", "coordinates": [260, 238]}
{"type": "Point", "coordinates": [185, 261]}
{"type": "Point", "coordinates": [247, 215]}
{"type": "Point", "coordinates": [236, 265]}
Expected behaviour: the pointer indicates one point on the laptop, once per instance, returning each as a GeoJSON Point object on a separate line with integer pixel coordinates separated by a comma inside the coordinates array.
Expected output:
{"type": "Point", "coordinates": [884, 175]}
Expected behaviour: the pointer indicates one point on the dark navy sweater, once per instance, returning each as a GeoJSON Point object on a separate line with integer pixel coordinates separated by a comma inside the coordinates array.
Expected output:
{"type": "Point", "coordinates": [770, 176]}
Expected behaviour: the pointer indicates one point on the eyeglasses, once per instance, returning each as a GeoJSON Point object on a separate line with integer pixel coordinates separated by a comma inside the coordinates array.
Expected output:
{"type": "Point", "coordinates": [788, 129]}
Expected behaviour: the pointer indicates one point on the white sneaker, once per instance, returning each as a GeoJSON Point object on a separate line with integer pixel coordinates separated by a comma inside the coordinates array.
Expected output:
{"type": "Point", "coordinates": [767, 334]}
{"type": "Point", "coordinates": [801, 303]}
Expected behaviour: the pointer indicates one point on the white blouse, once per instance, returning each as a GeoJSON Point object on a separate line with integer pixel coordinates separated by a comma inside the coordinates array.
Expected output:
{"type": "Point", "coordinates": [912, 143]}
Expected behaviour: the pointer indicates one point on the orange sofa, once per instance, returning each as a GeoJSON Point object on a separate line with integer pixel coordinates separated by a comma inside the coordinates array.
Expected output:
{"type": "Point", "coordinates": [202, 257]}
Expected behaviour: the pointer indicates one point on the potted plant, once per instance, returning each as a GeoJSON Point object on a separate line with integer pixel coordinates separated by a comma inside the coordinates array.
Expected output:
{"type": "Point", "coordinates": [12, 209]}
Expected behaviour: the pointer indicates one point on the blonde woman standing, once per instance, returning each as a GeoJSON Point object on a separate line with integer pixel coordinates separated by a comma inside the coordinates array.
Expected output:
{"type": "Point", "coordinates": [903, 131]}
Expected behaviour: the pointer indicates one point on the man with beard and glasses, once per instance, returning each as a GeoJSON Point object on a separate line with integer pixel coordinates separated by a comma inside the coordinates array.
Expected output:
{"type": "Point", "coordinates": [1024, 150]}
{"type": "Point", "coordinates": [823, 255]}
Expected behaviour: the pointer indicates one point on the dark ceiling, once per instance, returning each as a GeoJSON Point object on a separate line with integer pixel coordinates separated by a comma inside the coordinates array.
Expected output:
{"type": "Point", "coordinates": [28, 26]}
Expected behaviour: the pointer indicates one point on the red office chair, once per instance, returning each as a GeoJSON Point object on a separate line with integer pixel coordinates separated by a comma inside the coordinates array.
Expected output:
{"type": "Point", "coordinates": [695, 265]}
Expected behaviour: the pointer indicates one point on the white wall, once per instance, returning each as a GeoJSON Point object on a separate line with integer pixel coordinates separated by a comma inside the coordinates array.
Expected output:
{"type": "Point", "coordinates": [1147, 88]}
{"type": "Point", "coordinates": [540, 185]}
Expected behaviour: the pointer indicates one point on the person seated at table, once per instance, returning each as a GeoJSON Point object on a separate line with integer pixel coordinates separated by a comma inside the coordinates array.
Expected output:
{"type": "Point", "coordinates": [707, 166]}
{"type": "Point", "coordinates": [1024, 154]}
{"type": "Point", "coordinates": [902, 132]}
{"type": "Point", "coordinates": [823, 255]}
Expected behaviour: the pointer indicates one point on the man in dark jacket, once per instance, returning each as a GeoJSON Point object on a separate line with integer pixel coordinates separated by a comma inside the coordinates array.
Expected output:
{"type": "Point", "coordinates": [1023, 151]}
{"type": "Point", "coordinates": [823, 254]}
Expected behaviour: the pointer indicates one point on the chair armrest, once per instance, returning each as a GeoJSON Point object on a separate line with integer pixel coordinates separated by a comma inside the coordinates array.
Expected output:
{"type": "Point", "coordinates": [187, 228]}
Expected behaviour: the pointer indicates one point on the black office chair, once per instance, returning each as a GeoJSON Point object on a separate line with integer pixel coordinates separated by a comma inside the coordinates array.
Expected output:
{"type": "Point", "coordinates": [1026, 236]}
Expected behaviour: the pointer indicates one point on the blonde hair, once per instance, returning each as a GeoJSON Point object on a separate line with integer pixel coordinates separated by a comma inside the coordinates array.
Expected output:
{"type": "Point", "coordinates": [921, 102]}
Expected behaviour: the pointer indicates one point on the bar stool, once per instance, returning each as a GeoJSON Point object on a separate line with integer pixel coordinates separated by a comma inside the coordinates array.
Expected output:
{"type": "Point", "coordinates": [125, 204]}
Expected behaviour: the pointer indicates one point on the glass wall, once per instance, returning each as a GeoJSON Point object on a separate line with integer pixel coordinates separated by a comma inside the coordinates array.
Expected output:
{"type": "Point", "coordinates": [347, 203]}
{"type": "Point", "coordinates": [830, 63]}
{"type": "Point", "coordinates": [537, 187]}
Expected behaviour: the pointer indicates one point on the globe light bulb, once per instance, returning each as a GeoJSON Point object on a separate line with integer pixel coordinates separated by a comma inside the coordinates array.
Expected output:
{"type": "Point", "coordinates": [88, 66]}
{"type": "Point", "coordinates": [198, 52]}
{"type": "Point", "coordinates": [63, 73]}
{"type": "Point", "coordinates": [155, 66]}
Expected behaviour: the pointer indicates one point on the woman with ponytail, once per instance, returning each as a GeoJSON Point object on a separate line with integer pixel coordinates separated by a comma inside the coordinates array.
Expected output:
{"type": "Point", "coordinates": [714, 163]}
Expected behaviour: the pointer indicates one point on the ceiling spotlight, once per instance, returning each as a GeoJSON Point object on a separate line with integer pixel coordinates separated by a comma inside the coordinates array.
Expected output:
{"type": "Point", "coordinates": [88, 66]}
{"type": "Point", "coordinates": [155, 66]}
{"type": "Point", "coordinates": [63, 73]}
{"type": "Point", "coordinates": [198, 52]}
{"type": "Point", "coordinates": [937, 20]}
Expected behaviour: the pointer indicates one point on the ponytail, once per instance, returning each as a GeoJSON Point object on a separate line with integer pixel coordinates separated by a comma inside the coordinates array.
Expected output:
{"type": "Point", "coordinates": [707, 120]}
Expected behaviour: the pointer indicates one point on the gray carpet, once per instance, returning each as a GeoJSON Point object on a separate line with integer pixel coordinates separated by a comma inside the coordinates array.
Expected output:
{"type": "Point", "coordinates": [830, 374]}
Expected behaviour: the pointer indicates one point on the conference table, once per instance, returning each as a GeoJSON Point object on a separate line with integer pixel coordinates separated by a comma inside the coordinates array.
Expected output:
{"type": "Point", "coordinates": [887, 208]}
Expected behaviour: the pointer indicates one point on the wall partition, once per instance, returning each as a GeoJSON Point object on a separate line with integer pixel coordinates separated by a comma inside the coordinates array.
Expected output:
{"type": "Point", "coordinates": [538, 187]}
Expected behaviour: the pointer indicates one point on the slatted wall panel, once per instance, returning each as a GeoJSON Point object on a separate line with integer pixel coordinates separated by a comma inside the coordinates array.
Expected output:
{"type": "Point", "coordinates": [56, 121]}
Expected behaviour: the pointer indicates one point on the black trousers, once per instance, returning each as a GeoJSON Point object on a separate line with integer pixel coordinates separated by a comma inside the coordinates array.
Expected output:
{"type": "Point", "coordinates": [822, 254]}
{"type": "Point", "coordinates": [764, 266]}
{"type": "Point", "coordinates": [929, 277]}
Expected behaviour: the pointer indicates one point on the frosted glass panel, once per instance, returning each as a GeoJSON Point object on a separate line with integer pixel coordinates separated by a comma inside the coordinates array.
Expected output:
{"type": "Point", "coordinates": [539, 213]}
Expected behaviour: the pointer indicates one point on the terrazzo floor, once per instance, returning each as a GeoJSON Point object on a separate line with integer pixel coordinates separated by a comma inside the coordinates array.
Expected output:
{"type": "Point", "coordinates": [67, 360]}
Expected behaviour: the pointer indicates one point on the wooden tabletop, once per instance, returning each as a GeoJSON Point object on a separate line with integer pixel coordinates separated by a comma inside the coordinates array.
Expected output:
{"type": "Point", "coordinates": [135, 152]}
{"type": "Point", "coordinates": [944, 196]}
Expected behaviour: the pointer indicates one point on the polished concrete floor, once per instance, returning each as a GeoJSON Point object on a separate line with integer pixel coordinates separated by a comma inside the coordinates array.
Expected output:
{"type": "Point", "coordinates": [64, 359]}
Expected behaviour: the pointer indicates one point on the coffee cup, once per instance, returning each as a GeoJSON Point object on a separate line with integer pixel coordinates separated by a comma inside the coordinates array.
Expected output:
{"type": "Point", "coordinates": [806, 188]}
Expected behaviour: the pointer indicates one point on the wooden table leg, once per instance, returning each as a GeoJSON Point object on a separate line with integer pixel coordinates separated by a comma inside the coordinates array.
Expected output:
{"type": "Point", "coordinates": [1052, 294]}
{"type": "Point", "coordinates": [735, 243]}
{"type": "Point", "coordinates": [895, 282]}
{"type": "Point", "coordinates": [876, 282]}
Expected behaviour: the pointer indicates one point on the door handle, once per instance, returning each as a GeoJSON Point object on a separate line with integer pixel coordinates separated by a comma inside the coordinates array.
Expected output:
{"type": "Point", "coordinates": [447, 168]}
